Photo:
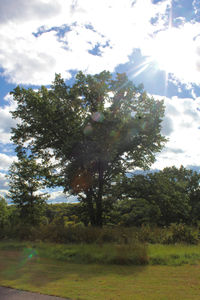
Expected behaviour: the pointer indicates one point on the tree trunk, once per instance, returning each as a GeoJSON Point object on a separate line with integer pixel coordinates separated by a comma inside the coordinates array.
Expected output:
{"type": "Point", "coordinates": [99, 211]}
{"type": "Point", "coordinates": [32, 208]}
{"type": "Point", "coordinates": [90, 208]}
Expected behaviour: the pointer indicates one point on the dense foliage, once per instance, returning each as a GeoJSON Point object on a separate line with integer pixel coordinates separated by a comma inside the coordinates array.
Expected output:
{"type": "Point", "coordinates": [4, 213]}
{"type": "Point", "coordinates": [87, 138]}
{"type": "Point", "coordinates": [96, 130]}
{"type": "Point", "coordinates": [26, 179]}
{"type": "Point", "coordinates": [147, 211]}
{"type": "Point", "coordinates": [161, 198]}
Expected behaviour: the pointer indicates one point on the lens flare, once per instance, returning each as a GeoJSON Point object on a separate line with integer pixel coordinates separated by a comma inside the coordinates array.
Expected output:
{"type": "Point", "coordinates": [28, 254]}
{"type": "Point", "coordinates": [82, 181]}
{"type": "Point", "coordinates": [97, 117]}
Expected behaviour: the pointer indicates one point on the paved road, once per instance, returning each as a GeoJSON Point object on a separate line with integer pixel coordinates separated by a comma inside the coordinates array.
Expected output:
{"type": "Point", "coordinates": [12, 294]}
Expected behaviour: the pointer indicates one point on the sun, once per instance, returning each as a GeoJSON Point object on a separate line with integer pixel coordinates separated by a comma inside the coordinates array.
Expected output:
{"type": "Point", "coordinates": [168, 49]}
{"type": "Point", "coordinates": [172, 50]}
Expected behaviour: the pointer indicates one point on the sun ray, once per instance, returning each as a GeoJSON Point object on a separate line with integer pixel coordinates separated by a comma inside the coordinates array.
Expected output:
{"type": "Point", "coordinates": [166, 72]}
{"type": "Point", "coordinates": [142, 67]}
{"type": "Point", "coordinates": [166, 82]}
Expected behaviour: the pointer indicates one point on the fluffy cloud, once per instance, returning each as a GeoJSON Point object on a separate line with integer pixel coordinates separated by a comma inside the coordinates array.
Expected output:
{"type": "Point", "coordinates": [181, 126]}
{"type": "Point", "coordinates": [59, 196]}
{"type": "Point", "coordinates": [6, 158]}
{"type": "Point", "coordinates": [6, 121]}
{"type": "Point", "coordinates": [6, 161]}
{"type": "Point", "coordinates": [3, 182]}
{"type": "Point", "coordinates": [21, 11]}
{"type": "Point", "coordinates": [42, 37]}
{"type": "Point", "coordinates": [176, 51]}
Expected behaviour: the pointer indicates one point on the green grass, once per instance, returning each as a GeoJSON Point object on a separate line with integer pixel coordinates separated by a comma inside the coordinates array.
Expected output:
{"type": "Point", "coordinates": [134, 254]}
{"type": "Point", "coordinates": [97, 282]}
{"type": "Point", "coordinates": [178, 254]}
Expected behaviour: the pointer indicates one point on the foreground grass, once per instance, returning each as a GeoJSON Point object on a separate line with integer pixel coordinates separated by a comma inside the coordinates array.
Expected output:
{"type": "Point", "coordinates": [134, 254]}
{"type": "Point", "coordinates": [174, 255]}
{"type": "Point", "coordinates": [95, 281]}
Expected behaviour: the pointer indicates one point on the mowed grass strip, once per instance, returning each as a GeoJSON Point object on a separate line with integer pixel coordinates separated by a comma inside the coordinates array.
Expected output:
{"type": "Point", "coordinates": [110, 253]}
{"type": "Point", "coordinates": [23, 270]}
{"type": "Point", "coordinates": [176, 255]}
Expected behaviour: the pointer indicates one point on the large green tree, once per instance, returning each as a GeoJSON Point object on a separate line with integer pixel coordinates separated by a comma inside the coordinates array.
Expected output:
{"type": "Point", "coordinates": [174, 193]}
{"type": "Point", "coordinates": [135, 203]}
{"type": "Point", "coordinates": [26, 178]}
{"type": "Point", "coordinates": [96, 129]}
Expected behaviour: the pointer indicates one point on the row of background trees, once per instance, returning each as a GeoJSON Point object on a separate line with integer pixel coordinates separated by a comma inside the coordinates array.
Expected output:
{"type": "Point", "coordinates": [85, 138]}
{"type": "Point", "coordinates": [161, 198]}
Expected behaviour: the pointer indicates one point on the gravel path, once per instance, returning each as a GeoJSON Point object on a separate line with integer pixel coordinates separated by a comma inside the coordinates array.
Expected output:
{"type": "Point", "coordinates": [12, 294]}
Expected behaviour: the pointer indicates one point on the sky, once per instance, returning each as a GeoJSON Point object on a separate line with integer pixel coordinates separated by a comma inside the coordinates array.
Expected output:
{"type": "Point", "coordinates": [156, 42]}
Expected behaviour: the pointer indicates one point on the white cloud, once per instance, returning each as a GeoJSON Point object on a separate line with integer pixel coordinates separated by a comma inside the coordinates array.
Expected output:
{"type": "Point", "coordinates": [3, 184]}
{"type": "Point", "coordinates": [3, 193]}
{"type": "Point", "coordinates": [59, 196]}
{"type": "Point", "coordinates": [6, 161]}
{"type": "Point", "coordinates": [41, 37]}
{"type": "Point", "coordinates": [181, 125]}
{"type": "Point", "coordinates": [177, 51]}
{"type": "Point", "coordinates": [3, 181]}
{"type": "Point", "coordinates": [20, 11]}
{"type": "Point", "coordinates": [6, 121]}
{"type": "Point", "coordinates": [115, 27]}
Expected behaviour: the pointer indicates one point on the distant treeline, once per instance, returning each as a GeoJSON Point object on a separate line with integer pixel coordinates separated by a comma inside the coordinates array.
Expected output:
{"type": "Point", "coordinates": [161, 198]}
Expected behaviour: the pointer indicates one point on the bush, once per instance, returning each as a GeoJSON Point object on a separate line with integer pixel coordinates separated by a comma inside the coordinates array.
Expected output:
{"type": "Point", "coordinates": [78, 233]}
{"type": "Point", "coordinates": [181, 233]}
{"type": "Point", "coordinates": [153, 235]}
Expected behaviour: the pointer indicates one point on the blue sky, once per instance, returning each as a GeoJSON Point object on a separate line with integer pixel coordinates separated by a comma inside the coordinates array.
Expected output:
{"type": "Point", "coordinates": [156, 42]}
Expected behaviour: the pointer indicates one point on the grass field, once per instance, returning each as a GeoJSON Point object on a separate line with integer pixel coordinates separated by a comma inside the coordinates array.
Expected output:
{"type": "Point", "coordinates": [22, 267]}
{"type": "Point", "coordinates": [110, 253]}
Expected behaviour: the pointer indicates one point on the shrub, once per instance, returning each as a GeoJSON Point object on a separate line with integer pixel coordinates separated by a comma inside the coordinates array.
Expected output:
{"type": "Point", "coordinates": [153, 235]}
{"type": "Point", "coordinates": [181, 233]}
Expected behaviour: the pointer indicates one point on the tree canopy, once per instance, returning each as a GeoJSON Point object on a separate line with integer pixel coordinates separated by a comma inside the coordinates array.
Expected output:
{"type": "Point", "coordinates": [4, 213]}
{"type": "Point", "coordinates": [168, 196]}
{"type": "Point", "coordinates": [27, 177]}
{"type": "Point", "coordinates": [96, 129]}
